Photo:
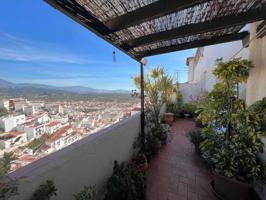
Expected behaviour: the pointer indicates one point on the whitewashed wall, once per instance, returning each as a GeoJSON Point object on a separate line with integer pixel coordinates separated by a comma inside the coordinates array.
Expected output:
{"type": "Point", "coordinates": [206, 64]}
{"type": "Point", "coordinates": [86, 162]}
{"type": "Point", "coordinates": [190, 91]}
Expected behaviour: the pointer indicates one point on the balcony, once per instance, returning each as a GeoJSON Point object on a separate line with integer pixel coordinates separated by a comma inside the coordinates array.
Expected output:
{"type": "Point", "coordinates": [142, 29]}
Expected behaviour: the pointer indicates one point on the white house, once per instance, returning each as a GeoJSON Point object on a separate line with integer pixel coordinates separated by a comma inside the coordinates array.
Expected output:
{"type": "Point", "coordinates": [62, 138]}
{"type": "Point", "coordinates": [42, 118]}
{"type": "Point", "coordinates": [32, 130]}
{"type": "Point", "coordinates": [60, 118]}
{"type": "Point", "coordinates": [30, 110]}
{"type": "Point", "coordinates": [52, 127]}
{"type": "Point", "coordinates": [202, 64]}
{"type": "Point", "coordinates": [11, 139]}
{"type": "Point", "coordinates": [20, 105]}
{"type": "Point", "coordinates": [10, 122]}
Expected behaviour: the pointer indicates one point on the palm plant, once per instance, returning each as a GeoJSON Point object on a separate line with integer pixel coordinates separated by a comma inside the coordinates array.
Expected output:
{"type": "Point", "coordinates": [158, 86]}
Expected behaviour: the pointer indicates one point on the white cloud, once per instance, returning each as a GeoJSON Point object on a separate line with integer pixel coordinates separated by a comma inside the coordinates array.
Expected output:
{"type": "Point", "coordinates": [18, 49]}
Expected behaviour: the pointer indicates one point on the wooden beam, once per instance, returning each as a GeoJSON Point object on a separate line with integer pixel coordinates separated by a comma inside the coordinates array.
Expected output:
{"type": "Point", "coordinates": [261, 29]}
{"type": "Point", "coordinates": [195, 44]}
{"type": "Point", "coordinates": [149, 12]}
{"type": "Point", "coordinates": [207, 26]}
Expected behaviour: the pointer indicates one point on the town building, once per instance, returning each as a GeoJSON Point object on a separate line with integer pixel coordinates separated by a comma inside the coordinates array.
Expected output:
{"type": "Point", "coordinates": [11, 139]}
{"type": "Point", "coordinates": [52, 127]}
{"type": "Point", "coordinates": [5, 104]}
{"type": "Point", "coordinates": [62, 138]}
{"type": "Point", "coordinates": [33, 130]}
{"type": "Point", "coordinates": [200, 68]}
{"type": "Point", "coordinates": [30, 110]}
{"type": "Point", "coordinates": [10, 122]}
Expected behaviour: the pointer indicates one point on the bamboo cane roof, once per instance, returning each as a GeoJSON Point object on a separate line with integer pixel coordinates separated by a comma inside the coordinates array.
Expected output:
{"type": "Point", "coordinates": [143, 28]}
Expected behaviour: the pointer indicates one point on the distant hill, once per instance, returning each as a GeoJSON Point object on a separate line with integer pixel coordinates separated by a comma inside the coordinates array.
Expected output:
{"type": "Point", "coordinates": [25, 88]}
{"type": "Point", "coordinates": [6, 84]}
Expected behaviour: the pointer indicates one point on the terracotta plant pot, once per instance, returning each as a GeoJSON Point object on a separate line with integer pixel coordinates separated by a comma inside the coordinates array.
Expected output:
{"type": "Point", "coordinates": [168, 118]}
{"type": "Point", "coordinates": [230, 189]}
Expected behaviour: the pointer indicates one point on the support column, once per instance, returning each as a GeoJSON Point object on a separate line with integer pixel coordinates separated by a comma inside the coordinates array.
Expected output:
{"type": "Point", "coordinates": [142, 119]}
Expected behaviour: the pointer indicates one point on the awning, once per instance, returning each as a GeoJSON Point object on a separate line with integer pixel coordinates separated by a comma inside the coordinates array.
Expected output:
{"type": "Point", "coordinates": [143, 28]}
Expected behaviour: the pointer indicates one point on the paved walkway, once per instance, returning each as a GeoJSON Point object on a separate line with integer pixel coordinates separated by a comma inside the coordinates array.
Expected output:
{"type": "Point", "coordinates": [177, 172]}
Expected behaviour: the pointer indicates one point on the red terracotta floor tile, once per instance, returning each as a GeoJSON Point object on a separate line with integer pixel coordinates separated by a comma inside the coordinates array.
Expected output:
{"type": "Point", "coordinates": [177, 172]}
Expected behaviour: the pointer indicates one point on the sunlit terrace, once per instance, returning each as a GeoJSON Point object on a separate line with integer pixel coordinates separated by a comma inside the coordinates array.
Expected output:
{"type": "Point", "coordinates": [196, 149]}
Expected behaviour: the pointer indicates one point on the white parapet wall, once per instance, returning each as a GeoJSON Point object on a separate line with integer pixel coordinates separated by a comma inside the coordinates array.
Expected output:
{"type": "Point", "coordinates": [86, 162]}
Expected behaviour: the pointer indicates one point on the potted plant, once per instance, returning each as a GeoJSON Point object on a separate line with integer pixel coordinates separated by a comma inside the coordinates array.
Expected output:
{"type": "Point", "coordinates": [87, 193]}
{"type": "Point", "coordinates": [157, 143]}
{"type": "Point", "coordinates": [198, 123]}
{"type": "Point", "coordinates": [195, 138]}
{"type": "Point", "coordinates": [231, 138]}
{"type": "Point", "coordinates": [168, 118]}
{"type": "Point", "coordinates": [140, 161]}
{"type": "Point", "coordinates": [188, 109]}
{"type": "Point", "coordinates": [45, 191]}
{"type": "Point", "coordinates": [126, 183]}
{"type": "Point", "coordinates": [163, 138]}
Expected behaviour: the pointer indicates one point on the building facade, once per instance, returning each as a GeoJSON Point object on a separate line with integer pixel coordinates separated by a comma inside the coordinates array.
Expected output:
{"type": "Point", "coordinates": [10, 122]}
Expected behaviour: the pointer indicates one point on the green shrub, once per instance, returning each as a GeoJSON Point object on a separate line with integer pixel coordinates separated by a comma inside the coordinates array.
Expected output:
{"type": "Point", "coordinates": [259, 108]}
{"type": "Point", "coordinates": [45, 191]}
{"type": "Point", "coordinates": [189, 108]}
{"type": "Point", "coordinates": [195, 137]}
{"type": "Point", "coordinates": [231, 138]}
{"type": "Point", "coordinates": [88, 193]}
{"type": "Point", "coordinates": [126, 183]}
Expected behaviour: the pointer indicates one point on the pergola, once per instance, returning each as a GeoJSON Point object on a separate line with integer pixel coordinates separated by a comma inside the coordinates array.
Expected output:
{"type": "Point", "coordinates": [142, 28]}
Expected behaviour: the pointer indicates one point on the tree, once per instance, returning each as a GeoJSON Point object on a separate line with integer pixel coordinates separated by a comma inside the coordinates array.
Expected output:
{"type": "Point", "coordinates": [8, 186]}
{"type": "Point", "coordinates": [231, 138]}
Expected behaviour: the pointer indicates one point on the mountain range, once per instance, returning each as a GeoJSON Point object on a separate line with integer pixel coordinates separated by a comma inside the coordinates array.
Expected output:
{"type": "Point", "coordinates": [6, 86]}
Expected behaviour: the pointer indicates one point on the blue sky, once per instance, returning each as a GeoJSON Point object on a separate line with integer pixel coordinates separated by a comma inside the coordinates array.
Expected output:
{"type": "Point", "coordinates": [38, 44]}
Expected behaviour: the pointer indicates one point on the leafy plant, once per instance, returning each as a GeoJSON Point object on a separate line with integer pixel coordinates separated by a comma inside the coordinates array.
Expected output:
{"type": "Point", "coordinates": [8, 186]}
{"type": "Point", "coordinates": [259, 108]}
{"type": "Point", "coordinates": [189, 108]}
{"type": "Point", "coordinates": [195, 137]}
{"type": "Point", "coordinates": [45, 191]}
{"type": "Point", "coordinates": [88, 193]}
{"type": "Point", "coordinates": [231, 136]}
{"type": "Point", "coordinates": [158, 86]}
{"type": "Point", "coordinates": [140, 158]}
{"type": "Point", "coordinates": [126, 183]}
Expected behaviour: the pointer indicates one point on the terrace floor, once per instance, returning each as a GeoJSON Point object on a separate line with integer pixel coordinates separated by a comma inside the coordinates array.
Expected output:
{"type": "Point", "coordinates": [177, 172]}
